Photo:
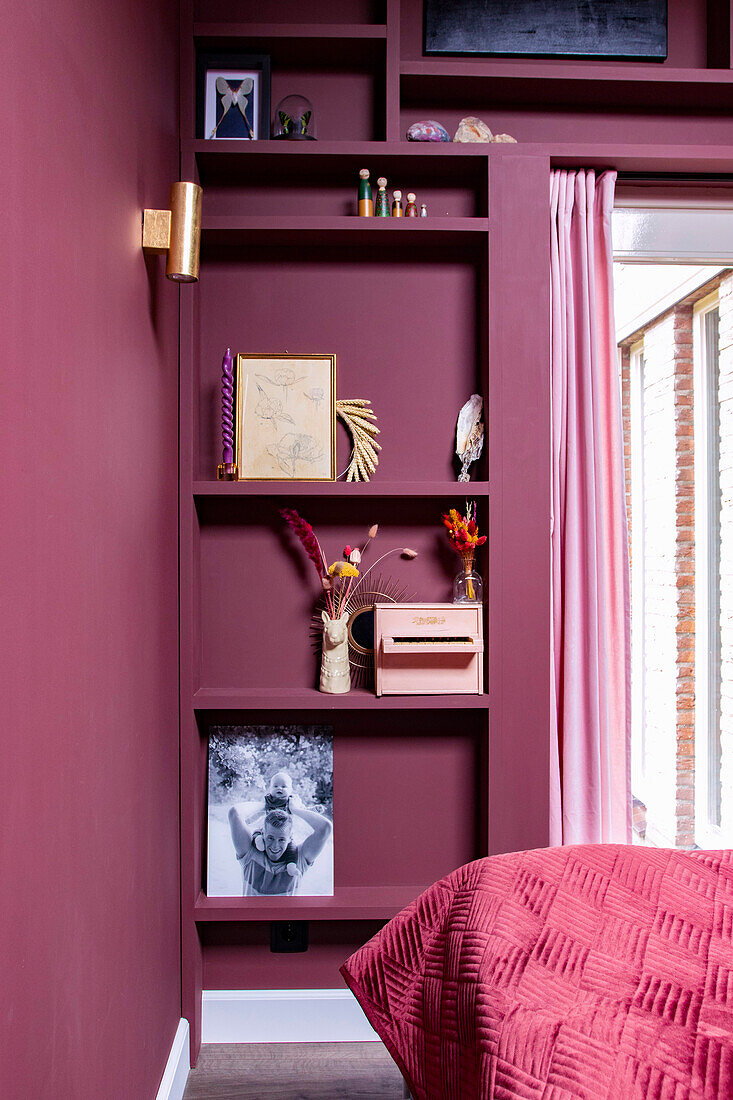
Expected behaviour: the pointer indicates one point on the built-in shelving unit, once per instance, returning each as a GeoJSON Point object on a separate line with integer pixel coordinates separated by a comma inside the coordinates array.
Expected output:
{"type": "Point", "coordinates": [420, 314]}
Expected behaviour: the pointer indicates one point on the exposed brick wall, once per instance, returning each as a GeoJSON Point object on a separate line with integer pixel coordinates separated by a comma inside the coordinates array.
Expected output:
{"type": "Point", "coordinates": [685, 575]}
{"type": "Point", "coordinates": [669, 549]}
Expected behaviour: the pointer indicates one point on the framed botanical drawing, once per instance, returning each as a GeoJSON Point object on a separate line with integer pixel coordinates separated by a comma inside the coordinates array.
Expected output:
{"type": "Point", "coordinates": [286, 417]}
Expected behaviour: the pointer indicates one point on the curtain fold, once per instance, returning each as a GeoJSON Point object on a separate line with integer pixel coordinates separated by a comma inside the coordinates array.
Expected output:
{"type": "Point", "coordinates": [590, 796]}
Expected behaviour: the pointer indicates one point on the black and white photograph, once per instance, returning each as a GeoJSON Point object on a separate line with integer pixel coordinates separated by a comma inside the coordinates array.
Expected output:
{"type": "Point", "coordinates": [270, 814]}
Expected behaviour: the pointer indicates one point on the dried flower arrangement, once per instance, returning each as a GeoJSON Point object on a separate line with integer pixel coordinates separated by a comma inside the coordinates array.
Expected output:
{"type": "Point", "coordinates": [463, 535]}
{"type": "Point", "coordinates": [337, 579]}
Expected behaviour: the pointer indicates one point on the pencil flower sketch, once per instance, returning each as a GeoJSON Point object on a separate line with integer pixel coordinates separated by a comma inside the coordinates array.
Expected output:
{"type": "Point", "coordinates": [284, 378]}
{"type": "Point", "coordinates": [268, 408]}
{"type": "Point", "coordinates": [293, 449]}
{"type": "Point", "coordinates": [315, 395]}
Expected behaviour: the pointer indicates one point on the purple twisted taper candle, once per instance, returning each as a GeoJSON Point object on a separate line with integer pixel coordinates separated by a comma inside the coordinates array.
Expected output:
{"type": "Point", "coordinates": [227, 407]}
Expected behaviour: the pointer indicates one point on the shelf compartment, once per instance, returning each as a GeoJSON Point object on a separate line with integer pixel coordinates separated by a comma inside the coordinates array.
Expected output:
{"type": "Point", "coordinates": [538, 101]}
{"type": "Point", "coordinates": [419, 357]}
{"type": "Point", "coordinates": [348, 903]}
{"type": "Point", "coordinates": [344, 78]}
{"type": "Point", "coordinates": [380, 771]}
{"type": "Point", "coordinates": [258, 591]}
{"type": "Point", "coordinates": [339, 489]}
{"type": "Point", "coordinates": [257, 178]}
{"type": "Point", "coordinates": [312, 700]}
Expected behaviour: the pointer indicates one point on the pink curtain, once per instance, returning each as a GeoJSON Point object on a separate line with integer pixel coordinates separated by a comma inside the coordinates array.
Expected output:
{"type": "Point", "coordinates": [590, 796]}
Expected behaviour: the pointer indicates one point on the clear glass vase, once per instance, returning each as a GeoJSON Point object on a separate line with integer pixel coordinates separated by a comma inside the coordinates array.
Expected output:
{"type": "Point", "coordinates": [468, 586]}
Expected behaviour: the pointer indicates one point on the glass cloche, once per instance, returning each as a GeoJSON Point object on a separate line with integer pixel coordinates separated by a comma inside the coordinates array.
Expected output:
{"type": "Point", "coordinates": [295, 119]}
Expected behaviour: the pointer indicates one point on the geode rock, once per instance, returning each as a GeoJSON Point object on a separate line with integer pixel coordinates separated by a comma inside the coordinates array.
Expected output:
{"type": "Point", "coordinates": [427, 130]}
{"type": "Point", "coordinates": [505, 138]}
{"type": "Point", "coordinates": [472, 129]}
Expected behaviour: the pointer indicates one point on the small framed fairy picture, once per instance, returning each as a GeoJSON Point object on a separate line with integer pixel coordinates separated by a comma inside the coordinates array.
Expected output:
{"type": "Point", "coordinates": [286, 417]}
{"type": "Point", "coordinates": [233, 100]}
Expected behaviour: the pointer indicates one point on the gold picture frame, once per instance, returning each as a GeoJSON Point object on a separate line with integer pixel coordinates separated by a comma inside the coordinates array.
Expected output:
{"type": "Point", "coordinates": [286, 417]}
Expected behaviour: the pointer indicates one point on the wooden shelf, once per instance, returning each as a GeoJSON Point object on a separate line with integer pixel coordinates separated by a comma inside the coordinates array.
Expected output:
{"type": "Point", "coordinates": [348, 903]}
{"type": "Point", "coordinates": [340, 489]}
{"type": "Point", "coordinates": [604, 84]}
{"type": "Point", "coordinates": [347, 230]}
{"type": "Point", "coordinates": [218, 147]}
{"type": "Point", "coordinates": [457, 69]}
{"type": "Point", "coordinates": [231, 33]}
{"type": "Point", "coordinates": [310, 699]}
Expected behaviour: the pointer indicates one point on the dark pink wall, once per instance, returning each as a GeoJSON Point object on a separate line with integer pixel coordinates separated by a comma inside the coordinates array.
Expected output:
{"type": "Point", "coordinates": [89, 944]}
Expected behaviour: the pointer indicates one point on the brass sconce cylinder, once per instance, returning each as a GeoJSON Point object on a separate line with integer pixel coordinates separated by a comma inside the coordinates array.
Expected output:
{"type": "Point", "coordinates": [185, 233]}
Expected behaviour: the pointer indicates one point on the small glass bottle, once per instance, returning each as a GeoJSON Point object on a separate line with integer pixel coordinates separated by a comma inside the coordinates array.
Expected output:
{"type": "Point", "coordinates": [411, 208]}
{"type": "Point", "coordinates": [468, 586]}
{"type": "Point", "coordinates": [382, 208]}
{"type": "Point", "coordinates": [397, 211]}
{"type": "Point", "coordinates": [366, 205]}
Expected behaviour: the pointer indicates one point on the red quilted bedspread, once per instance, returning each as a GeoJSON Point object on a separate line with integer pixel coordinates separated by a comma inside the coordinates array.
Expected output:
{"type": "Point", "coordinates": [596, 971]}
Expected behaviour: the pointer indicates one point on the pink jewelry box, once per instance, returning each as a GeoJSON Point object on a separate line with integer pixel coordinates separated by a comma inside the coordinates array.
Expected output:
{"type": "Point", "coordinates": [428, 649]}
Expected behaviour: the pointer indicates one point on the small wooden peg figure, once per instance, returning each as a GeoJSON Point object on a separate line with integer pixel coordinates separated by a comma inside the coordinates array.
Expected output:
{"type": "Point", "coordinates": [366, 205]}
{"type": "Point", "coordinates": [423, 210]}
{"type": "Point", "coordinates": [382, 210]}
{"type": "Point", "coordinates": [397, 211]}
{"type": "Point", "coordinates": [411, 208]}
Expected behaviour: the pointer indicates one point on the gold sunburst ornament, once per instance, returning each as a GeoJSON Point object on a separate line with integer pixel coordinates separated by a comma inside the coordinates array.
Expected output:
{"type": "Point", "coordinates": [361, 422]}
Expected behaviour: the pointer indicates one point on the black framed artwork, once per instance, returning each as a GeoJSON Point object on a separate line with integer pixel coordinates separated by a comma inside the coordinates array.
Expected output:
{"type": "Point", "coordinates": [233, 96]}
{"type": "Point", "coordinates": [622, 29]}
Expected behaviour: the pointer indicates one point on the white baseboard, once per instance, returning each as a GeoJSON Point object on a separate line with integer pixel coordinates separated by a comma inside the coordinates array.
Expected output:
{"type": "Point", "coordinates": [283, 1016]}
{"type": "Point", "coordinates": [177, 1068]}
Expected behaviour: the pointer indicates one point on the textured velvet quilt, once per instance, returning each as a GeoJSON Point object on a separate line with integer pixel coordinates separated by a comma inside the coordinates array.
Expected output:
{"type": "Point", "coordinates": [595, 971]}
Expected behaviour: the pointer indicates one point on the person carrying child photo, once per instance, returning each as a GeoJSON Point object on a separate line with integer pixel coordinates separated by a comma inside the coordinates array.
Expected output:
{"type": "Point", "coordinates": [270, 861]}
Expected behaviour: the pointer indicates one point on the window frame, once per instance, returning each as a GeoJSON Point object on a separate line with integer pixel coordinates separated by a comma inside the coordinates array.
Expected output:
{"type": "Point", "coordinates": [708, 834]}
{"type": "Point", "coordinates": [638, 540]}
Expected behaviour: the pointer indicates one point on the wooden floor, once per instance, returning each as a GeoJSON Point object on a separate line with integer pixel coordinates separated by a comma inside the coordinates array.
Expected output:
{"type": "Point", "coordinates": [294, 1071]}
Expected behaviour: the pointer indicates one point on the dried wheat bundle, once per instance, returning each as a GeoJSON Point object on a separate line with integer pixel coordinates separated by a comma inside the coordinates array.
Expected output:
{"type": "Point", "coordinates": [361, 422]}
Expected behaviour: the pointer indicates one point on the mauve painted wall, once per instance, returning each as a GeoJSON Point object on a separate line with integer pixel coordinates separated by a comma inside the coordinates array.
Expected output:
{"type": "Point", "coordinates": [89, 945]}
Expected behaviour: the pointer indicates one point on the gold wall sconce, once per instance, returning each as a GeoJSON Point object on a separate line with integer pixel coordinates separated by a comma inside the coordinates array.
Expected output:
{"type": "Point", "coordinates": [177, 231]}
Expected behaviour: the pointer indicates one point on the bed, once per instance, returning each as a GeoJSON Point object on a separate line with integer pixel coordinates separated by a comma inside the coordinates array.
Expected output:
{"type": "Point", "coordinates": [600, 972]}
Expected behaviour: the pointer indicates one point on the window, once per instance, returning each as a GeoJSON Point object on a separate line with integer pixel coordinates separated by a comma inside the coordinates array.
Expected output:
{"type": "Point", "coordinates": [675, 337]}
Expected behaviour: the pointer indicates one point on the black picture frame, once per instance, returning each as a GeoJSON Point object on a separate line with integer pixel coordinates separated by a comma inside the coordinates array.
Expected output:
{"type": "Point", "coordinates": [631, 30]}
{"type": "Point", "coordinates": [208, 60]}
